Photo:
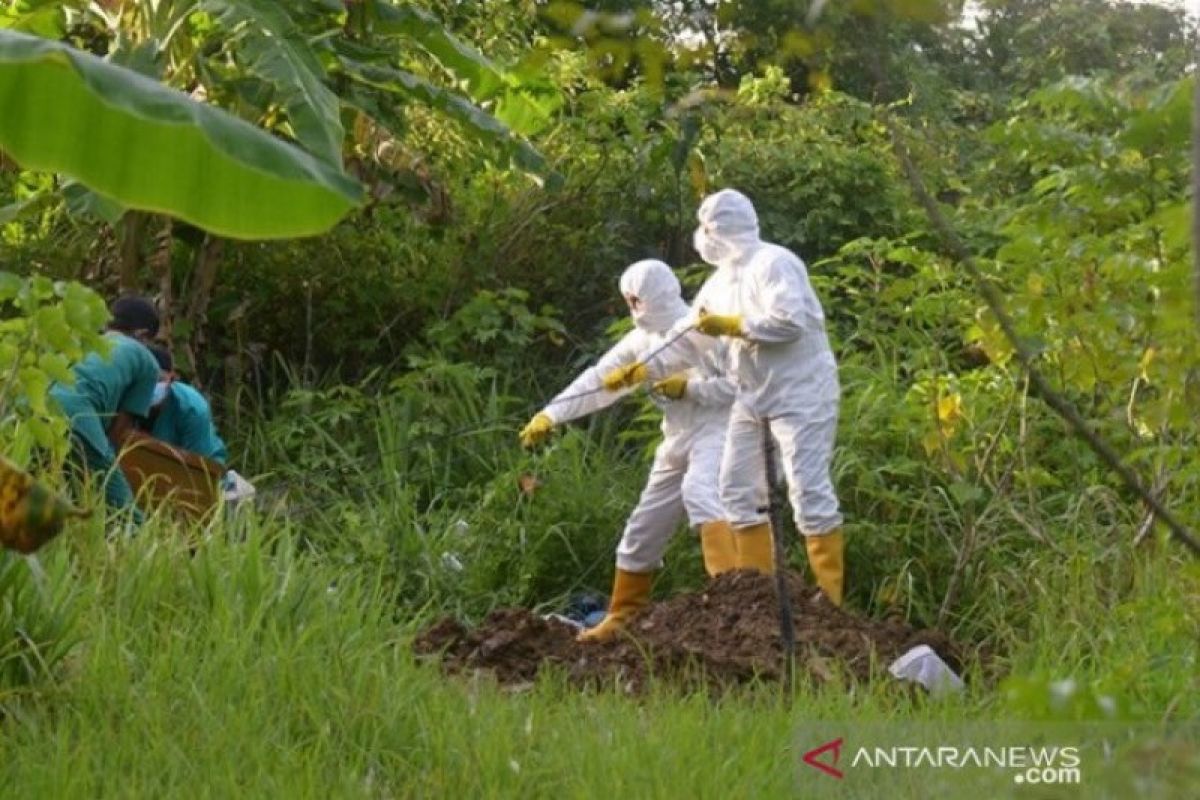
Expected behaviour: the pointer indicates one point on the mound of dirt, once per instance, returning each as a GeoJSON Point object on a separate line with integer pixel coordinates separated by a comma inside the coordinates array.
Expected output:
{"type": "Point", "coordinates": [724, 635]}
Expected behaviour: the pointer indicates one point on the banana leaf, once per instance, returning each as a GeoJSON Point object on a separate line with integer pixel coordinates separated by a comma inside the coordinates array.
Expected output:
{"type": "Point", "coordinates": [152, 148]}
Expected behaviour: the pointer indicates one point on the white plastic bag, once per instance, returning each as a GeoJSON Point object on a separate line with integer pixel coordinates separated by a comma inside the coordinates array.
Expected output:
{"type": "Point", "coordinates": [237, 489]}
{"type": "Point", "coordinates": [924, 666]}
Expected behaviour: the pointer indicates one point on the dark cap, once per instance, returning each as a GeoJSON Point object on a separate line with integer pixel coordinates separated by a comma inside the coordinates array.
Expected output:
{"type": "Point", "coordinates": [163, 356]}
{"type": "Point", "coordinates": [132, 314]}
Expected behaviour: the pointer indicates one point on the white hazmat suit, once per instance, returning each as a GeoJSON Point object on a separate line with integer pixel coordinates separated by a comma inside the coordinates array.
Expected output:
{"type": "Point", "coordinates": [762, 304]}
{"type": "Point", "coordinates": [683, 479]}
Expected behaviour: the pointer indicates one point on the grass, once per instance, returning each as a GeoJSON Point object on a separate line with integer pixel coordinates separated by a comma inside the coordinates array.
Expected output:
{"type": "Point", "coordinates": [257, 668]}
{"type": "Point", "coordinates": [245, 670]}
{"type": "Point", "coordinates": [275, 660]}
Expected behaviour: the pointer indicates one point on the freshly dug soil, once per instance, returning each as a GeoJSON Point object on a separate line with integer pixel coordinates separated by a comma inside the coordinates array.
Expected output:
{"type": "Point", "coordinates": [724, 635]}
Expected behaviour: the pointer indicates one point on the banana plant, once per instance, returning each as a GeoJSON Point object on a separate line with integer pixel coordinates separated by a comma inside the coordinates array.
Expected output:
{"type": "Point", "coordinates": [236, 116]}
{"type": "Point", "coordinates": [178, 70]}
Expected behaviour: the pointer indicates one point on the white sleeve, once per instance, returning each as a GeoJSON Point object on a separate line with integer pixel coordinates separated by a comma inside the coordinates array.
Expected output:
{"type": "Point", "coordinates": [684, 352]}
{"type": "Point", "coordinates": [586, 394]}
{"type": "Point", "coordinates": [706, 357]}
{"type": "Point", "coordinates": [714, 385]}
{"type": "Point", "coordinates": [712, 391]}
{"type": "Point", "coordinates": [789, 307]}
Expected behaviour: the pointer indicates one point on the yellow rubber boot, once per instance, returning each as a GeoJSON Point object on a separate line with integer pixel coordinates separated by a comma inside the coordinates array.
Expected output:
{"type": "Point", "coordinates": [631, 591]}
{"type": "Point", "coordinates": [825, 556]}
{"type": "Point", "coordinates": [719, 547]}
{"type": "Point", "coordinates": [756, 548]}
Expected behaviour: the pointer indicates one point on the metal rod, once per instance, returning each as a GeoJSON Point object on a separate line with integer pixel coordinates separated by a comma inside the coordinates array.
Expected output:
{"type": "Point", "coordinates": [787, 631]}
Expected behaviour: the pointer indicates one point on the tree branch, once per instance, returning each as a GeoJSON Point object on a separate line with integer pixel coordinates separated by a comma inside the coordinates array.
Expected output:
{"type": "Point", "coordinates": [1042, 388]}
{"type": "Point", "coordinates": [995, 304]}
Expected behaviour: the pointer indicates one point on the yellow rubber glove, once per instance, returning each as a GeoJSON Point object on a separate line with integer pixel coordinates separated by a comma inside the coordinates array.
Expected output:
{"type": "Point", "coordinates": [624, 377]}
{"type": "Point", "coordinates": [673, 387]}
{"type": "Point", "coordinates": [720, 324]}
{"type": "Point", "coordinates": [536, 431]}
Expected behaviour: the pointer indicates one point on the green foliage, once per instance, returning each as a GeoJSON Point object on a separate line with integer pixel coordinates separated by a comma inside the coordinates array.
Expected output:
{"type": "Point", "coordinates": [274, 50]}
{"type": "Point", "coordinates": [827, 158]}
{"type": "Point", "coordinates": [1097, 253]}
{"type": "Point", "coordinates": [450, 104]}
{"type": "Point", "coordinates": [495, 328]}
{"type": "Point", "coordinates": [45, 327]}
{"type": "Point", "coordinates": [1025, 44]}
{"type": "Point", "coordinates": [40, 607]}
{"type": "Point", "coordinates": [195, 161]}
{"type": "Point", "coordinates": [394, 359]}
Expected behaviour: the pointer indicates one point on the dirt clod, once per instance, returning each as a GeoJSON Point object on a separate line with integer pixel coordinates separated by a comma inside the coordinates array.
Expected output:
{"type": "Point", "coordinates": [723, 635]}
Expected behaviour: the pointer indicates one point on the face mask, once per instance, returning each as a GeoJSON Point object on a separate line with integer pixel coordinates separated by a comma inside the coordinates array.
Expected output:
{"type": "Point", "coordinates": [160, 393]}
{"type": "Point", "coordinates": [712, 251]}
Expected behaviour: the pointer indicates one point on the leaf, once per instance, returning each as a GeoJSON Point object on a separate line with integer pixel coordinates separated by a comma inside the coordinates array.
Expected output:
{"type": "Point", "coordinates": [949, 407]}
{"type": "Point", "coordinates": [152, 148]}
{"type": "Point", "coordinates": [34, 385]}
{"type": "Point", "coordinates": [10, 286]}
{"type": "Point", "coordinates": [965, 493]}
{"type": "Point", "coordinates": [83, 202]}
{"type": "Point", "coordinates": [45, 19]}
{"type": "Point", "coordinates": [483, 125]}
{"type": "Point", "coordinates": [56, 366]}
{"type": "Point", "coordinates": [482, 77]}
{"type": "Point", "coordinates": [140, 57]}
{"type": "Point", "coordinates": [14, 211]}
{"type": "Point", "coordinates": [1166, 123]}
{"type": "Point", "coordinates": [527, 111]}
{"type": "Point", "coordinates": [275, 50]}
{"type": "Point", "coordinates": [1176, 223]}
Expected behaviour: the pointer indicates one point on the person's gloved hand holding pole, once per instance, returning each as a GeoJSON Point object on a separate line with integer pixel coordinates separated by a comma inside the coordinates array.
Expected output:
{"type": "Point", "coordinates": [537, 430]}
{"type": "Point", "coordinates": [720, 324]}
{"type": "Point", "coordinates": [625, 377]}
{"type": "Point", "coordinates": [673, 387]}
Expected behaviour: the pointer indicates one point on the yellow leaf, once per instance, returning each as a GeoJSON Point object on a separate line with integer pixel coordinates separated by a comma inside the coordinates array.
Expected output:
{"type": "Point", "coordinates": [949, 407]}
{"type": "Point", "coordinates": [1144, 363]}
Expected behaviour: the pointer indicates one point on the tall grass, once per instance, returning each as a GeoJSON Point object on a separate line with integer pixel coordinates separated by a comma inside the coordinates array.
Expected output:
{"type": "Point", "coordinates": [274, 659]}
{"type": "Point", "coordinates": [257, 667]}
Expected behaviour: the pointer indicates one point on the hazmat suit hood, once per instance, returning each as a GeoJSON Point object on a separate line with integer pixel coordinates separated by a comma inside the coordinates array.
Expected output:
{"type": "Point", "coordinates": [653, 283]}
{"type": "Point", "coordinates": [728, 231]}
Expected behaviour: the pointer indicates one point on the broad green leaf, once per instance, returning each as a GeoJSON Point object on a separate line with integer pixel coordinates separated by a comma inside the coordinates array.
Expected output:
{"type": "Point", "coordinates": [482, 77]}
{"type": "Point", "coordinates": [82, 201]}
{"type": "Point", "coordinates": [479, 122]}
{"type": "Point", "coordinates": [275, 51]}
{"type": "Point", "coordinates": [527, 111]}
{"type": "Point", "coordinates": [56, 365]}
{"type": "Point", "coordinates": [152, 148]}
{"type": "Point", "coordinates": [51, 324]}
{"type": "Point", "coordinates": [524, 106]}
{"type": "Point", "coordinates": [85, 310]}
{"type": "Point", "coordinates": [46, 433]}
{"type": "Point", "coordinates": [34, 385]}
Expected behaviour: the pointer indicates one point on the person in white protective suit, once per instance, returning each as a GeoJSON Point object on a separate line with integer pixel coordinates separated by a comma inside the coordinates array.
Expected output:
{"type": "Point", "coordinates": [760, 300]}
{"type": "Point", "coordinates": [684, 477]}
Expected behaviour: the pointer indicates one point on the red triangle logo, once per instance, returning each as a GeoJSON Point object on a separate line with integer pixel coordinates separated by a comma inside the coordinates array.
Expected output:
{"type": "Point", "coordinates": [830, 768]}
